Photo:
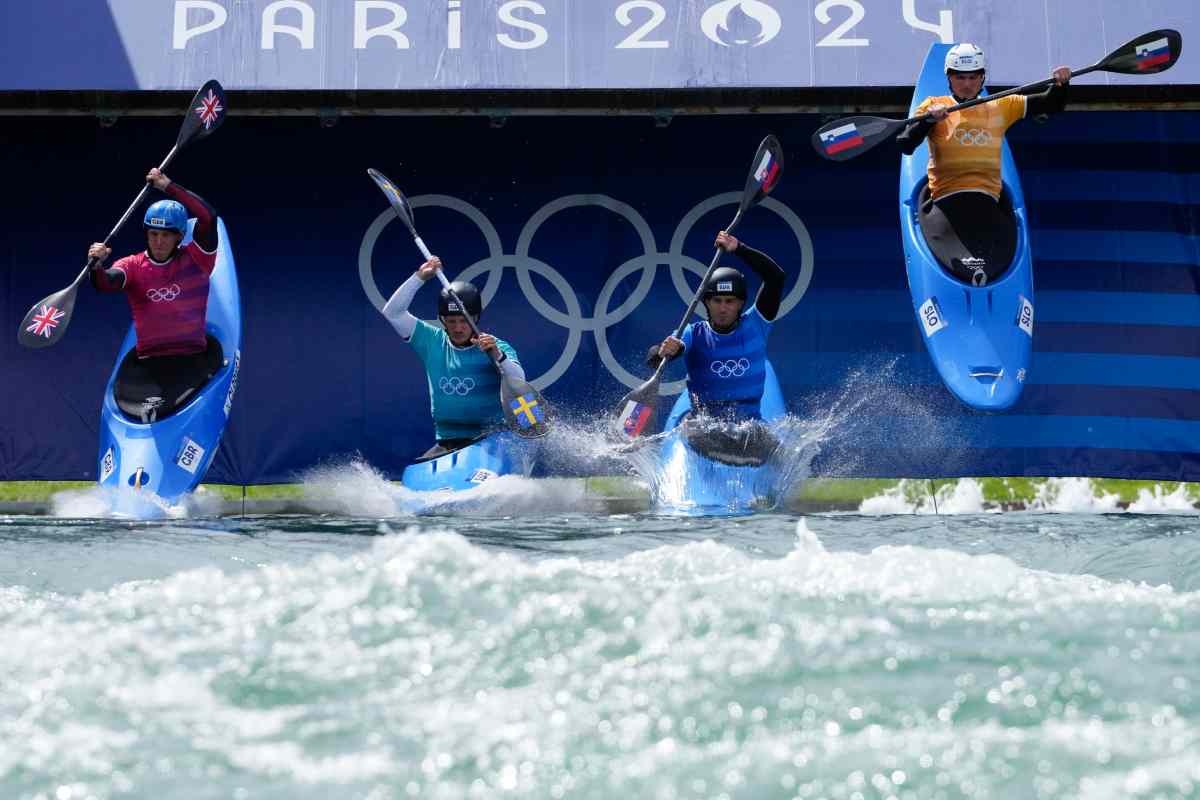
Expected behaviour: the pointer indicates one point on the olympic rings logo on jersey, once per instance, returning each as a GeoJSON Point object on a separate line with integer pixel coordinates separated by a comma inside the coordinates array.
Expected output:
{"type": "Point", "coordinates": [164, 295]}
{"type": "Point", "coordinates": [455, 385]}
{"type": "Point", "coordinates": [730, 368]}
{"type": "Point", "coordinates": [643, 265]}
{"type": "Point", "coordinates": [977, 137]}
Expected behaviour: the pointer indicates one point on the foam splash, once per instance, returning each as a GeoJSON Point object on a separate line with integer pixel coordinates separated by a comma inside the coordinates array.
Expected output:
{"type": "Point", "coordinates": [357, 489]}
{"type": "Point", "coordinates": [1053, 495]}
{"type": "Point", "coordinates": [450, 670]}
{"type": "Point", "coordinates": [1159, 501]}
{"type": "Point", "coordinates": [1073, 496]}
{"type": "Point", "coordinates": [98, 502]}
{"type": "Point", "coordinates": [964, 496]}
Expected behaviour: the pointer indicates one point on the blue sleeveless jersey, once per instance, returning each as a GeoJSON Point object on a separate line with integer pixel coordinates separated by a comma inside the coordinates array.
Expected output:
{"type": "Point", "coordinates": [464, 387]}
{"type": "Point", "coordinates": [728, 369]}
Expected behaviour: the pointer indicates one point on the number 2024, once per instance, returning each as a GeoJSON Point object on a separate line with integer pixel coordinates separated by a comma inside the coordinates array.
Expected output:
{"type": "Point", "coordinates": [943, 28]}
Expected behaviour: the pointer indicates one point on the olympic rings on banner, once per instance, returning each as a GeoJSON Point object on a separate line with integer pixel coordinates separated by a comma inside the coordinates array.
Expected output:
{"type": "Point", "coordinates": [573, 320]}
{"type": "Point", "coordinates": [730, 368]}
{"type": "Point", "coordinates": [165, 294]}
{"type": "Point", "coordinates": [455, 385]}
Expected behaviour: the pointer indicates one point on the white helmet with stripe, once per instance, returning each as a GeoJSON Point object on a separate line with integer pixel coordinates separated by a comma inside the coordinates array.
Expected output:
{"type": "Point", "coordinates": [964, 57]}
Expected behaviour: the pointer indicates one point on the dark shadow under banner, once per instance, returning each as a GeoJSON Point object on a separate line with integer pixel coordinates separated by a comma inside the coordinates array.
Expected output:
{"type": "Point", "coordinates": [582, 232]}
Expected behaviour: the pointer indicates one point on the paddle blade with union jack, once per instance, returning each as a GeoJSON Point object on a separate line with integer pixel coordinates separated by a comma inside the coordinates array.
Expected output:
{"type": "Point", "coordinates": [47, 321]}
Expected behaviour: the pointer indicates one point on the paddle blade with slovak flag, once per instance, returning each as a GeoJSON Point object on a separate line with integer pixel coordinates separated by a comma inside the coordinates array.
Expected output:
{"type": "Point", "coordinates": [766, 170]}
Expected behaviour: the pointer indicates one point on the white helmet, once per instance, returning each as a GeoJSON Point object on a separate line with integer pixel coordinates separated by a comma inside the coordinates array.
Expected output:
{"type": "Point", "coordinates": [964, 57]}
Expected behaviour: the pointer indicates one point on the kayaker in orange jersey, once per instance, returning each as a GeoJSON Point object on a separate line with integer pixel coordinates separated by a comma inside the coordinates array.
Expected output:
{"type": "Point", "coordinates": [963, 215]}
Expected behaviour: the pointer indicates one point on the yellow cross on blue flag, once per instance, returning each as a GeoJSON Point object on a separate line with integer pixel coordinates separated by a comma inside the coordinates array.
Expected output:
{"type": "Point", "coordinates": [527, 410]}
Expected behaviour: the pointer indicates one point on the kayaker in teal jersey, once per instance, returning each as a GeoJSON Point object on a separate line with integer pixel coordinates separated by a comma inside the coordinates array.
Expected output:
{"type": "Point", "coordinates": [464, 387]}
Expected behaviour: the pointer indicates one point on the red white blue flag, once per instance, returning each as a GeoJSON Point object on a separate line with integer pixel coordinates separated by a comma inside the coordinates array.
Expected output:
{"type": "Point", "coordinates": [767, 172]}
{"type": "Point", "coordinates": [839, 139]}
{"type": "Point", "coordinates": [46, 321]}
{"type": "Point", "coordinates": [210, 109]}
{"type": "Point", "coordinates": [636, 416]}
{"type": "Point", "coordinates": [1151, 54]}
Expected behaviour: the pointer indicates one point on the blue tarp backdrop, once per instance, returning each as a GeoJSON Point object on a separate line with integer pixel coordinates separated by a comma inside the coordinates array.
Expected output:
{"type": "Point", "coordinates": [582, 232]}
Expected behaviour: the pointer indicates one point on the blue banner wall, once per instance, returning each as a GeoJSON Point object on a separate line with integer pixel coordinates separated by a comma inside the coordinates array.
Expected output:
{"type": "Point", "coordinates": [582, 233]}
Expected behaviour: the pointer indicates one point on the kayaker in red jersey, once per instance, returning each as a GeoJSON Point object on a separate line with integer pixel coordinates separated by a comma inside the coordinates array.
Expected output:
{"type": "Point", "coordinates": [964, 223]}
{"type": "Point", "coordinates": [167, 289]}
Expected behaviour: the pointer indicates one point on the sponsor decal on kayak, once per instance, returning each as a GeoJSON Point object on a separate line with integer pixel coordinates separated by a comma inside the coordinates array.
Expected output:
{"type": "Point", "coordinates": [1025, 316]}
{"type": "Point", "coordinates": [107, 465]}
{"type": "Point", "coordinates": [233, 383]}
{"type": "Point", "coordinates": [190, 455]}
{"type": "Point", "coordinates": [481, 475]}
{"type": "Point", "coordinates": [843, 138]}
{"type": "Point", "coordinates": [931, 317]}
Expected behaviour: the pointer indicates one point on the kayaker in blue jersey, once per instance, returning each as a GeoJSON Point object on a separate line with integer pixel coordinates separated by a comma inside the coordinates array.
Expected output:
{"type": "Point", "coordinates": [726, 355]}
{"type": "Point", "coordinates": [464, 388]}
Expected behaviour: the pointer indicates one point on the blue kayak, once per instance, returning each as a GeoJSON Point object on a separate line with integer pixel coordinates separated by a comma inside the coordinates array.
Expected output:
{"type": "Point", "coordinates": [501, 453]}
{"type": "Point", "coordinates": [980, 338]}
{"type": "Point", "coordinates": [152, 465]}
{"type": "Point", "coordinates": [690, 483]}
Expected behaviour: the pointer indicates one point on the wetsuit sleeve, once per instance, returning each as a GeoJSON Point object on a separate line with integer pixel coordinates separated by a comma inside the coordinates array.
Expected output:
{"type": "Point", "coordinates": [396, 308]}
{"type": "Point", "coordinates": [770, 294]}
{"type": "Point", "coordinates": [1051, 101]}
{"type": "Point", "coordinates": [205, 232]}
{"type": "Point", "coordinates": [911, 137]}
{"type": "Point", "coordinates": [111, 279]}
{"type": "Point", "coordinates": [510, 365]}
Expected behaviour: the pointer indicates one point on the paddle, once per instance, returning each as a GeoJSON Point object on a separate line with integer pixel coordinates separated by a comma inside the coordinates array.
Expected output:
{"type": "Point", "coordinates": [524, 408]}
{"type": "Point", "coordinates": [765, 171]}
{"type": "Point", "coordinates": [47, 321]}
{"type": "Point", "coordinates": [848, 137]}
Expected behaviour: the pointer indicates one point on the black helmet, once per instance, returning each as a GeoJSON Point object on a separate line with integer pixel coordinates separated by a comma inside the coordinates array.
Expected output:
{"type": "Point", "coordinates": [467, 293]}
{"type": "Point", "coordinates": [727, 281]}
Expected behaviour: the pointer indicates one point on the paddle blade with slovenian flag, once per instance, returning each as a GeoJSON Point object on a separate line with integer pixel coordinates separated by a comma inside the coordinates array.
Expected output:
{"type": "Point", "coordinates": [845, 138]}
{"type": "Point", "coordinates": [1150, 53]}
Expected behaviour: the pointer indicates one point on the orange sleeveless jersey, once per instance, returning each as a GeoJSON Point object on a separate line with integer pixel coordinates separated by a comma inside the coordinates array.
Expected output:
{"type": "Point", "coordinates": [964, 148]}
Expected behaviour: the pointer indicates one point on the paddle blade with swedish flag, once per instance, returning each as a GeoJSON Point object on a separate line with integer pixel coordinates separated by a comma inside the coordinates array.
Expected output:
{"type": "Point", "coordinates": [525, 409]}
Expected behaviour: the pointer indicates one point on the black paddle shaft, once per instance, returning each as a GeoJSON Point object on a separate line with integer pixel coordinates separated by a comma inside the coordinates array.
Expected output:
{"type": "Point", "coordinates": [712, 265]}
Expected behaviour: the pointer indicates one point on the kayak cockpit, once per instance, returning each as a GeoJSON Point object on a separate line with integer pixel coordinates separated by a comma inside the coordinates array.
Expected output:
{"type": "Point", "coordinates": [957, 245]}
{"type": "Point", "coordinates": [145, 392]}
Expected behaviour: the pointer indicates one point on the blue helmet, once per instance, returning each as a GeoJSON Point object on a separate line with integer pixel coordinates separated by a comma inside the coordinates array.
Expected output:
{"type": "Point", "coordinates": [167, 215]}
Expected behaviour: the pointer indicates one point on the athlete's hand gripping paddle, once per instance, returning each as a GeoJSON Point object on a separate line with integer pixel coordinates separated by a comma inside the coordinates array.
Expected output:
{"type": "Point", "coordinates": [524, 408]}
{"type": "Point", "coordinates": [766, 169]}
{"type": "Point", "coordinates": [47, 321]}
{"type": "Point", "coordinates": [1150, 53]}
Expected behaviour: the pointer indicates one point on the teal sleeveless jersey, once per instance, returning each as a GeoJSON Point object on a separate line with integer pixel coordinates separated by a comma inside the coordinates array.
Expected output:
{"type": "Point", "coordinates": [464, 387]}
